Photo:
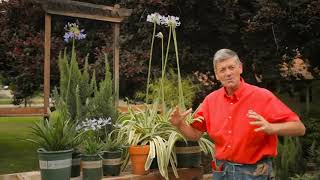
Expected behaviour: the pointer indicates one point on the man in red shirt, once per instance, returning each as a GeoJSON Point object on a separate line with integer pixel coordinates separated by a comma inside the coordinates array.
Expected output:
{"type": "Point", "coordinates": [243, 120]}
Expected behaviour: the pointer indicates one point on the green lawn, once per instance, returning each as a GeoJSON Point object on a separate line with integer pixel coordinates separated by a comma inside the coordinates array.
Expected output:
{"type": "Point", "coordinates": [16, 155]}
{"type": "Point", "coordinates": [5, 101]}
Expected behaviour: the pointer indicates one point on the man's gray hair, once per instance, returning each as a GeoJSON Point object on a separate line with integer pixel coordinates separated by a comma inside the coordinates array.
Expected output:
{"type": "Point", "coordinates": [224, 54]}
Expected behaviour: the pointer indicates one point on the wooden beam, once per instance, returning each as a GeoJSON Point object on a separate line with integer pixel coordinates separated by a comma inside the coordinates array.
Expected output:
{"type": "Point", "coordinates": [86, 16]}
{"type": "Point", "coordinates": [84, 7]}
{"type": "Point", "coordinates": [23, 111]}
{"type": "Point", "coordinates": [47, 47]}
{"type": "Point", "coordinates": [116, 56]}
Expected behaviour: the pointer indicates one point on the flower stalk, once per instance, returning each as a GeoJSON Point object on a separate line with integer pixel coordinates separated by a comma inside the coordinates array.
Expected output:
{"type": "Point", "coordinates": [171, 22]}
{"type": "Point", "coordinates": [72, 33]}
{"type": "Point", "coordinates": [181, 97]}
{"type": "Point", "coordinates": [150, 61]}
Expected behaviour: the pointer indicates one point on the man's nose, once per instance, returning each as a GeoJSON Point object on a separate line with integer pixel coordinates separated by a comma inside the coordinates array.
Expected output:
{"type": "Point", "coordinates": [228, 72]}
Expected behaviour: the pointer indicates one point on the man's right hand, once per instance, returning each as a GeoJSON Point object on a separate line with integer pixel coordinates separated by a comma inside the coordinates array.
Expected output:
{"type": "Point", "coordinates": [177, 117]}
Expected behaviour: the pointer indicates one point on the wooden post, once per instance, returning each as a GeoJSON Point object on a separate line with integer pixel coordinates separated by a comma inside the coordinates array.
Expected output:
{"type": "Point", "coordinates": [116, 50]}
{"type": "Point", "coordinates": [47, 44]}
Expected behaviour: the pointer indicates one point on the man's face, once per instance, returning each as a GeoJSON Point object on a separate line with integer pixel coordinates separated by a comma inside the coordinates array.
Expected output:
{"type": "Point", "coordinates": [228, 73]}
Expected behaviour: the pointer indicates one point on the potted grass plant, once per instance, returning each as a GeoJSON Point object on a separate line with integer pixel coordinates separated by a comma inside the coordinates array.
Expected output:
{"type": "Point", "coordinates": [91, 147]}
{"type": "Point", "coordinates": [59, 133]}
{"type": "Point", "coordinates": [56, 138]}
{"type": "Point", "coordinates": [114, 145]}
{"type": "Point", "coordinates": [147, 133]}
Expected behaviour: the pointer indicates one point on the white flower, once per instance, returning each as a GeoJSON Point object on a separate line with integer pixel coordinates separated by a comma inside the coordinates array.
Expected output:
{"type": "Point", "coordinates": [118, 126]}
{"type": "Point", "coordinates": [171, 21]}
{"type": "Point", "coordinates": [159, 35]}
{"type": "Point", "coordinates": [78, 127]}
{"type": "Point", "coordinates": [154, 18]}
{"type": "Point", "coordinates": [94, 124]}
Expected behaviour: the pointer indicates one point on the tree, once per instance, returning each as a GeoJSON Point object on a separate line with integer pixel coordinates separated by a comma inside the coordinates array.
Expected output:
{"type": "Point", "coordinates": [21, 49]}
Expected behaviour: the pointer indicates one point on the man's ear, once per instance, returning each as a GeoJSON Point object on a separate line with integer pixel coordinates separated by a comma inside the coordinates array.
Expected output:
{"type": "Point", "coordinates": [217, 77]}
{"type": "Point", "coordinates": [215, 74]}
{"type": "Point", "coordinates": [241, 68]}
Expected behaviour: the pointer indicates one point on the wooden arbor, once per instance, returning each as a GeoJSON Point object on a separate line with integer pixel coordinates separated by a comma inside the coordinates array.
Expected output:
{"type": "Point", "coordinates": [114, 15]}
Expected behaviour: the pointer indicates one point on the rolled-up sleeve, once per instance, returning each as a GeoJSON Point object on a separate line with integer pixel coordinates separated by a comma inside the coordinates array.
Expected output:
{"type": "Point", "coordinates": [199, 117]}
{"type": "Point", "coordinates": [277, 112]}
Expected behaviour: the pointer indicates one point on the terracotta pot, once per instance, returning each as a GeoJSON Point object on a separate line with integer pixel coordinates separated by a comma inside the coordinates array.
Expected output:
{"type": "Point", "coordinates": [138, 157]}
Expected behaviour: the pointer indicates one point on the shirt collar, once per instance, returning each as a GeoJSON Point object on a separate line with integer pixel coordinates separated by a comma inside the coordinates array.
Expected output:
{"type": "Point", "coordinates": [238, 93]}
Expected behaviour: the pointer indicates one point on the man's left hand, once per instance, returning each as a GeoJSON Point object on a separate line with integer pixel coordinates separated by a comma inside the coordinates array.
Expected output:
{"type": "Point", "coordinates": [260, 121]}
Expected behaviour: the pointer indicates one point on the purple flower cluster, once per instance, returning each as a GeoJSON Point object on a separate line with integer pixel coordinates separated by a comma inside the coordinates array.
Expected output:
{"type": "Point", "coordinates": [94, 124]}
{"type": "Point", "coordinates": [73, 32]}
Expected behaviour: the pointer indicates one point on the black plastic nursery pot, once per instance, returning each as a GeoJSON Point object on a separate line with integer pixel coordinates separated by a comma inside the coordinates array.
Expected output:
{"type": "Point", "coordinates": [75, 168]}
{"type": "Point", "coordinates": [112, 163]}
{"type": "Point", "coordinates": [91, 167]}
{"type": "Point", "coordinates": [154, 163]}
{"type": "Point", "coordinates": [188, 154]}
{"type": "Point", "coordinates": [55, 164]}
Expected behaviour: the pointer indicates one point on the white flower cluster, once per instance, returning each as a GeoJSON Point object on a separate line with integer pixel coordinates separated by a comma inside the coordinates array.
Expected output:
{"type": "Point", "coordinates": [172, 21]}
{"type": "Point", "coordinates": [154, 18]}
{"type": "Point", "coordinates": [94, 124]}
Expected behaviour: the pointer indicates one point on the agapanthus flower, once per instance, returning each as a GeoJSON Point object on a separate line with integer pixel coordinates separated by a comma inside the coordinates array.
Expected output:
{"type": "Point", "coordinates": [73, 32]}
{"type": "Point", "coordinates": [172, 21]}
{"type": "Point", "coordinates": [94, 124]}
{"type": "Point", "coordinates": [159, 35]}
{"type": "Point", "coordinates": [154, 18]}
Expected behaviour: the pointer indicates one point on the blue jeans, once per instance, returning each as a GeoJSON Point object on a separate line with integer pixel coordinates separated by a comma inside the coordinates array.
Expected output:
{"type": "Point", "coordinates": [233, 171]}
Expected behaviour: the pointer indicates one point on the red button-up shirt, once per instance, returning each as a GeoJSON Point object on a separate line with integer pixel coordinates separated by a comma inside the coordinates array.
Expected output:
{"type": "Point", "coordinates": [226, 121]}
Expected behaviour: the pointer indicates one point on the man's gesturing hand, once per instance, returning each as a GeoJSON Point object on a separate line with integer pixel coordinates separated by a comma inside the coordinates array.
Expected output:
{"type": "Point", "coordinates": [177, 117]}
{"type": "Point", "coordinates": [263, 124]}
